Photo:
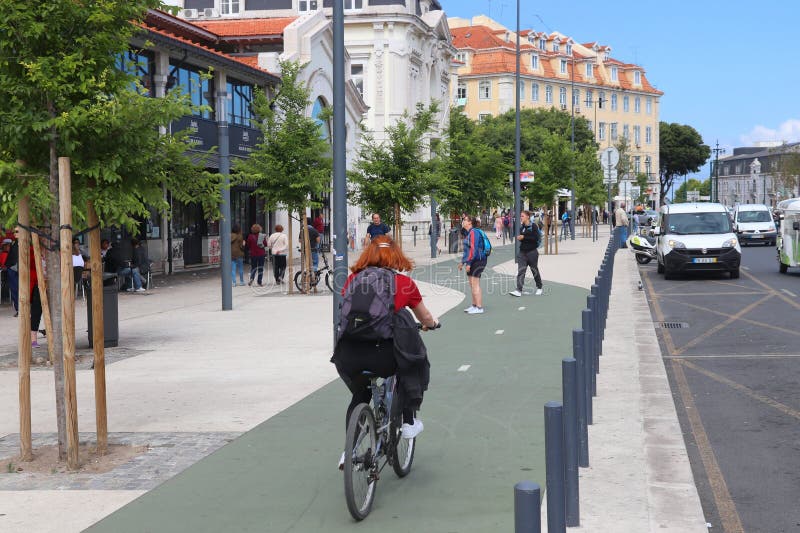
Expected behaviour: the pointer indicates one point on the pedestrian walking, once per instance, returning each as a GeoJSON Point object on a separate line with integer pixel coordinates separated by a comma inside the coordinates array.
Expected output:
{"type": "Point", "coordinates": [605, 216]}
{"type": "Point", "coordinates": [528, 256]}
{"type": "Point", "coordinates": [278, 243]}
{"type": "Point", "coordinates": [473, 261]}
{"type": "Point", "coordinates": [507, 226]}
{"type": "Point", "coordinates": [12, 271]}
{"type": "Point", "coordinates": [257, 249]}
{"type": "Point", "coordinates": [237, 254]}
{"type": "Point", "coordinates": [621, 221]}
{"type": "Point", "coordinates": [314, 241]}
{"type": "Point", "coordinates": [498, 225]}
{"type": "Point", "coordinates": [375, 228]}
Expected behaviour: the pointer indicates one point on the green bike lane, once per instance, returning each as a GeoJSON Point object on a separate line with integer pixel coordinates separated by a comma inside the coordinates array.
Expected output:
{"type": "Point", "coordinates": [484, 431]}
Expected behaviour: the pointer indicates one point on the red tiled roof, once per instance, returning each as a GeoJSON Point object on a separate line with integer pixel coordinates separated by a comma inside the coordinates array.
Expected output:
{"type": "Point", "coordinates": [246, 27]}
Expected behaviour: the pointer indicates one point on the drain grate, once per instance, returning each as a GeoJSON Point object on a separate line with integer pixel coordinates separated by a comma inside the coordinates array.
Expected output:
{"type": "Point", "coordinates": [672, 325]}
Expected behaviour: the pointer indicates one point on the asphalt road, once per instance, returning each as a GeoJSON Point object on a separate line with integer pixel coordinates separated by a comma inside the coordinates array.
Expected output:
{"type": "Point", "coordinates": [734, 369]}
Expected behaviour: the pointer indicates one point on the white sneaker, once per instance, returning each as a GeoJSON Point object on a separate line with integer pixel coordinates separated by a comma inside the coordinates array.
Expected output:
{"type": "Point", "coordinates": [475, 311]}
{"type": "Point", "coordinates": [140, 289]}
{"type": "Point", "coordinates": [515, 293]}
{"type": "Point", "coordinates": [128, 290]}
{"type": "Point", "coordinates": [409, 431]}
{"type": "Point", "coordinates": [538, 292]}
{"type": "Point", "coordinates": [341, 462]}
{"type": "Point", "coordinates": [469, 309]}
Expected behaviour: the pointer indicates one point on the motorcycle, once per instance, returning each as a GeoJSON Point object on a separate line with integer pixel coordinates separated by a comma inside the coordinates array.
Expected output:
{"type": "Point", "coordinates": [642, 246]}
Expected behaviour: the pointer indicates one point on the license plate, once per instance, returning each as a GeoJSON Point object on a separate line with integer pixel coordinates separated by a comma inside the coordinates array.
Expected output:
{"type": "Point", "coordinates": [756, 236]}
{"type": "Point", "coordinates": [704, 260]}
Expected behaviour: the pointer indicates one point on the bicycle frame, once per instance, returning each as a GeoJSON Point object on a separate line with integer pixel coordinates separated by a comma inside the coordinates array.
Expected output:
{"type": "Point", "coordinates": [383, 394]}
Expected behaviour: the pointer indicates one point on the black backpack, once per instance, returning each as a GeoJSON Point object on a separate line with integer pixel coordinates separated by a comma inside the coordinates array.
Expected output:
{"type": "Point", "coordinates": [368, 306]}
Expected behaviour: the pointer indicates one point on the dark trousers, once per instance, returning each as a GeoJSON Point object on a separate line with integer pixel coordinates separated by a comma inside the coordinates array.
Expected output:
{"type": "Point", "coordinates": [524, 261]}
{"type": "Point", "coordinates": [257, 266]}
{"type": "Point", "coordinates": [279, 265]}
{"type": "Point", "coordinates": [36, 309]}
{"type": "Point", "coordinates": [13, 287]}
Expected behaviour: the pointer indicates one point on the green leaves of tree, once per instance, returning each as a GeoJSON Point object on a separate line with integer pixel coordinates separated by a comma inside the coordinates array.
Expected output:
{"type": "Point", "coordinates": [681, 151]}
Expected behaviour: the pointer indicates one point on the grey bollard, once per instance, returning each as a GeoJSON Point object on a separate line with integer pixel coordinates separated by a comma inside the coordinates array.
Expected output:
{"type": "Point", "coordinates": [583, 429]}
{"type": "Point", "coordinates": [554, 466]}
{"type": "Point", "coordinates": [601, 325]}
{"type": "Point", "coordinates": [569, 381]}
{"type": "Point", "coordinates": [527, 507]}
{"type": "Point", "coordinates": [588, 347]}
{"type": "Point", "coordinates": [592, 305]}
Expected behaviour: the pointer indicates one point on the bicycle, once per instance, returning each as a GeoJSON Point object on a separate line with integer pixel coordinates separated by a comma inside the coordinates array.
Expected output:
{"type": "Point", "coordinates": [302, 278]}
{"type": "Point", "coordinates": [372, 447]}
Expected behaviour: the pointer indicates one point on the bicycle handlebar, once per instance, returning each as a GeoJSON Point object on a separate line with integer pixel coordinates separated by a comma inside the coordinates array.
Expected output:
{"type": "Point", "coordinates": [437, 326]}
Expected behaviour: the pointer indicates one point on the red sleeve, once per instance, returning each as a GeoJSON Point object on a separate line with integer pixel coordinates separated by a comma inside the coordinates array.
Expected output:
{"type": "Point", "coordinates": [471, 245]}
{"type": "Point", "coordinates": [347, 282]}
{"type": "Point", "coordinates": [406, 293]}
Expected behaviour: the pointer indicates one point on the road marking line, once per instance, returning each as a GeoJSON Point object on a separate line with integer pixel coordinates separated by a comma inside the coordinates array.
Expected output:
{"type": "Point", "coordinates": [722, 497]}
{"type": "Point", "coordinates": [521, 308]}
{"type": "Point", "coordinates": [464, 368]}
{"type": "Point", "coordinates": [499, 332]}
{"type": "Point", "coordinates": [746, 268]}
{"type": "Point", "coordinates": [790, 293]}
{"type": "Point", "coordinates": [735, 356]}
{"type": "Point", "coordinates": [773, 291]}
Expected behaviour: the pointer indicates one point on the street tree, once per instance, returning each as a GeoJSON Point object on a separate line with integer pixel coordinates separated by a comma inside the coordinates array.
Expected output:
{"type": "Point", "coordinates": [291, 166]}
{"type": "Point", "coordinates": [397, 174]}
{"type": "Point", "coordinates": [788, 171]}
{"type": "Point", "coordinates": [681, 152]}
{"type": "Point", "coordinates": [476, 174]}
{"type": "Point", "coordinates": [702, 187]}
{"type": "Point", "coordinates": [64, 96]}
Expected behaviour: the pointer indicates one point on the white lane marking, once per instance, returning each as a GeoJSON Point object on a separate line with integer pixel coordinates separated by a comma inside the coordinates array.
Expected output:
{"type": "Point", "coordinates": [521, 308]}
{"type": "Point", "coordinates": [464, 368]}
{"type": "Point", "coordinates": [499, 332]}
{"type": "Point", "coordinates": [790, 293]}
{"type": "Point", "coordinates": [746, 268]}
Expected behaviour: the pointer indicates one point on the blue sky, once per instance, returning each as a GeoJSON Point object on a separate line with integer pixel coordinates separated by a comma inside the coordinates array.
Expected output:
{"type": "Point", "coordinates": [727, 68]}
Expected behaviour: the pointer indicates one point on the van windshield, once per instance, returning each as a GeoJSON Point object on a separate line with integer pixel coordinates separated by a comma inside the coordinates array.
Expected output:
{"type": "Point", "coordinates": [698, 223]}
{"type": "Point", "coordinates": [753, 216]}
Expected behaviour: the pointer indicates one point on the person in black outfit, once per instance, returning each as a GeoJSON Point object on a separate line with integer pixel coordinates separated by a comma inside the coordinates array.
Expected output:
{"type": "Point", "coordinates": [528, 254]}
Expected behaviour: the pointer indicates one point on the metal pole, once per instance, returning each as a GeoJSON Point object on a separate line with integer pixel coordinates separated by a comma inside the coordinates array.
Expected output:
{"type": "Point", "coordinates": [554, 466]}
{"type": "Point", "coordinates": [434, 229]}
{"type": "Point", "coordinates": [339, 164]}
{"type": "Point", "coordinates": [225, 204]}
{"type": "Point", "coordinates": [517, 192]}
{"type": "Point", "coordinates": [569, 380]}
{"type": "Point", "coordinates": [527, 503]}
{"type": "Point", "coordinates": [583, 430]}
{"type": "Point", "coordinates": [572, 186]}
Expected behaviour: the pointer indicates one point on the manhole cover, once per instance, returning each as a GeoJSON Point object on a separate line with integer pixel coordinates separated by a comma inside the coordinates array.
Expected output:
{"type": "Point", "coordinates": [672, 325]}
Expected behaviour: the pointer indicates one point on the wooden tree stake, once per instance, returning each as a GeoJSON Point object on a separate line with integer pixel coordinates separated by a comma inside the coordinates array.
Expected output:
{"type": "Point", "coordinates": [42, 283]}
{"type": "Point", "coordinates": [98, 333]}
{"type": "Point", "coordinates": [24, 350]}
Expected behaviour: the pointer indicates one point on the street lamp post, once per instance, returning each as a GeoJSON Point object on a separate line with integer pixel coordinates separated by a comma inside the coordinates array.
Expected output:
{"type": "Point", "coordinates": [572, 185]}
{"type": "Point", "coordinates": [517, 194]}
{"type": "Point", "coordinates": [715, 189]}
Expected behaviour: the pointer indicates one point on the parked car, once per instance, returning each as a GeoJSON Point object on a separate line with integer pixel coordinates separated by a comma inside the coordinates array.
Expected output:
{"type": "Point", "coordinates": [753, 223]}
{"type": "Point", "coordinates": [696, 237]}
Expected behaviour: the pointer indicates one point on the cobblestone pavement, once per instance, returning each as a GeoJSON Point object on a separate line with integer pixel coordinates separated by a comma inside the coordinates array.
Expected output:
{"type": "Point", "coordinates": [167, 455]}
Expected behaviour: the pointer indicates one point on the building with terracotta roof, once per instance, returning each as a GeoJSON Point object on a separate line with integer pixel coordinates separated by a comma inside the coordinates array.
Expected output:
{"type": "Point", "coordinates": [615, 97]}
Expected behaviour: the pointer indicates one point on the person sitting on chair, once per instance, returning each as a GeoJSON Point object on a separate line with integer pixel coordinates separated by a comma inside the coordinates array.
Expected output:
{"type": "Point", "coordinates": [132, 269]}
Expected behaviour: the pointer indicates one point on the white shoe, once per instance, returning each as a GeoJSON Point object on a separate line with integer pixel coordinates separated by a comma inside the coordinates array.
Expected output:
{"type": "Point", "coordinates": [341, 462]}
{"type": "Point", "coordinates": [469, 309]}
{"type": "Point", "coordinates": [475, 311]}
{"type": "Point", "coordinates": [409, 431]}
{"type": "Point", "coordinates": [538, 292]}
{"type": "Point", "coordinates": [128, 290]}
{"type": "Point", "coordinates": [515, 293]}
{"type": "Point", "coordinates": [140, 289]}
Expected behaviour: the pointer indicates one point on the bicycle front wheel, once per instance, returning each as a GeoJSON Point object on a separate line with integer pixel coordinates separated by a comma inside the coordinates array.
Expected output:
{"type": "Point", "coordinates": [303, 279]}
{"type": "Point", "coordinates": [329, 280]}
{"type": "Point", "coordinates": [403, 449]}
{"type": "Point", "coordinates": [360, 463]}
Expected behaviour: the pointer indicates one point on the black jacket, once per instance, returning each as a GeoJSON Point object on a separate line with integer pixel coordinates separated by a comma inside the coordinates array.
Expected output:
{"type": "Point", "coordinates": [413, 367]}
{"type": "Point", "coordinates": [530, 238]}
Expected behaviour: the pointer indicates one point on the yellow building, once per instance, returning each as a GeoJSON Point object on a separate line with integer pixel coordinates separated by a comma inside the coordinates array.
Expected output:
{"type": "Point", "coordinates": [615, 97]}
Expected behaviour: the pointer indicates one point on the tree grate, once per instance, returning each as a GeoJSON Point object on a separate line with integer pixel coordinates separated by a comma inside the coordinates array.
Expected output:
{"type": "Point", "coordinates": [672, 325]}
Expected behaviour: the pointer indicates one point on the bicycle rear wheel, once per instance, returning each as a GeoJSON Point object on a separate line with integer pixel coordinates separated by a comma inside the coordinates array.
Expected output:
{"type": "Point", "coordinates": [402, 449]}
{"type": "Point", "coordinates": [329, 280]}
{"type": "Point", "coordinates": [360, 462]}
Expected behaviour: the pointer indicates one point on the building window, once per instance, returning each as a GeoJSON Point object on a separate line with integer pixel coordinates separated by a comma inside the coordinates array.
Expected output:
{"type": "Point", "coordinates": [548, 94]}
{"type": "Point", "coordinates": [601, 131]}
{"type": "Point", "coordinates": [353, 5]}
{"type": "Point", "coordinates": [589, 102]}
{"type": "Point", "coordinates": [626, 131]}
{"type": "Point", "coordinates": [535, 92]}
{"type": "Point", "coordinates": [601, 100]}
{"type": "Point", "coordinates": [461, 92]}
{"type": "Point", "coordinates": [461, 56]}
{"type": "Point", "coordinates": [569, 49]}
{"type": "Point", "coordinates": [563, 66]}
{"type": "Point", "coordinates": [637, 105]}
{"type": "Point", "coordinates": [647, 164]}
{"type": "Point", "coordinates": [198, 88]}
{"type": "Point", "coordinates": [626, 103]}
{"type": "Point", "coordinates": [555, 47]}
{"type": "Point", "coordinates": [589, 70]}
{"type": "Point", "coordinates": [483, 116]}
{"type": "Point", "coordinates": [613, 131]}
{"type": "Point", "coordinates": [590, 125]}
{"type": "Point", "coordinates": [637, 164]}
{"type": "Point", "coordinates": [534, 62]}
{"type": "Point", "coordinates": [648, 106]}
{"type": "Point", "coordinates": [139, 66]}
{"type": "Point", "coordinates": [542, 44]}
{"type": "Point", "coordinates": [648, 135]}
{"type": "Point", "coordinates": [485, 89]}
{"type": "Point", "coordinates": [239, 102]}
{"type": "Point", "coordinates": [614, 76]}
{"type": "Point", "coordinates": [576, 98]}
{"type": "Point", "coordinates": [229, 7]}
{"type": "Point", "coordinates": [637, 77]}
{"type": "Point", "coordinates": [637, 136]}
{"type": "Point", "coordinates": [613, 102]}
{"type": "Point", "coordinates": [304, 6]}
{"type": "Point", "coordinates": [521, 90]}
{"type": "Point", "coordinates": [606, 55]}
{"type": "Point", "coordinates": [562, 96]}
{"type": "Point", "coordinates": [357, 75]}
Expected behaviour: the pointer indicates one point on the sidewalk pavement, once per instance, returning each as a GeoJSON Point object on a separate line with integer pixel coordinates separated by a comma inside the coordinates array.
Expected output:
{"type": "Point", "coordinates": [187, 373]}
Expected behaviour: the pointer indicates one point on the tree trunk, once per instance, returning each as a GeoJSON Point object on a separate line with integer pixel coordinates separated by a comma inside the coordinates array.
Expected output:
{"type": "Point", "coordinates": [398, 227]}
{"type": "Point", "coordinates": [290, 258]}
{"type": "Point", "coordinates": [306, 257]}
{"type": "Point", "coordinates": [555, 210]}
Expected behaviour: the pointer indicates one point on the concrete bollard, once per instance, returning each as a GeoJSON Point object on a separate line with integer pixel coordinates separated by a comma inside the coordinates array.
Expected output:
{"type": "Point", "coordinates": [591, 303]}
{"type": "Point", "coordinates": [527, 507]}
{"type": "Point", "coordinates": [595, 291]}
{"type": "Point", "coordinates": [583, 393]}
{"type": "Point", "coordinates": [588, 346]}
{"type": "Point", "coordinates": [554, 464]}
{"type": "Point", "coordinates": [569, 383]}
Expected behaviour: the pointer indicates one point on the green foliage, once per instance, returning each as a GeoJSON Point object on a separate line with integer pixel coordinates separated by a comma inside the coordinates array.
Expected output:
{"type": "Point", "coordinates": [643, 184]}
{"type": "Point", "coordinates": [292, 164]}
{"type": "Point", "coordinates": [704, 187]}
{"type": "Point", "coordinates": [396, 172]}
{"type": "Point", "coordinates": [788, 171]}
{"type": "Point", "coordinates": [476, 173]}
{"type": "Point", "coordinates": [681, 151]}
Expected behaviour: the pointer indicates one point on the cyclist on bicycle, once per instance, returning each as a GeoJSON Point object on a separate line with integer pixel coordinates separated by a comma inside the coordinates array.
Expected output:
{"type": "Point", "coordinates": [353, 357]}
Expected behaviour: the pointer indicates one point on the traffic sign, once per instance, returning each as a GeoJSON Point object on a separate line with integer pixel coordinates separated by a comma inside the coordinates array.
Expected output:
{"type": "Point", "coordinates": [609, 175]}
{"type": "Point", "coordinates": [609, 157]}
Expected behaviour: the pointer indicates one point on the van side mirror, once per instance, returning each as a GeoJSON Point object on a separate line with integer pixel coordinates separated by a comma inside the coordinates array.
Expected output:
{"type": "Point", "coordinates": [656, 231]}
{"type": "Point", "coordinates": [796, 226]}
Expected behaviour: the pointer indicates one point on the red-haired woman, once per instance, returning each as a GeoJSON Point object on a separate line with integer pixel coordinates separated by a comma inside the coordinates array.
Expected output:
{"type": "Point", "coordinates": [353, 357]}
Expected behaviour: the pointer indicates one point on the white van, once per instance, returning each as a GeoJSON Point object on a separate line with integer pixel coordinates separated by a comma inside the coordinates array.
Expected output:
{"type": "Point", "coordinates": [753, 224]}
{"type": "Point", "coordinates": [696, 237]}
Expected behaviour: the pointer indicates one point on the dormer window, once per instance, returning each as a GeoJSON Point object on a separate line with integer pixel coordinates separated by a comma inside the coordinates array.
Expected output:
{"type": "Point", "coordinates": [637, 77]}
{"type": "Point", "coordinates": [229, 7]}
{"type": "Point", "coordinates": [461, 56]}
{"type": "Point", "coordinates": [589, 70]}
{"type": "Point", "coordinates": [614, 74]}
{"type": "Point", "coordinates": [534, 62]}
{"type": "Point", "coordinates": [606, 55]}
{"type": "Point", "coordinates": [305, 6]}
{"type": "Point", "coordinates": [542, 44]}
{"type": "Point", "coordinates": [563, 66]}
{"type": "Point", "coordinates": [555, 47]}
{"type": "Point", "coordinates": [569, 49]}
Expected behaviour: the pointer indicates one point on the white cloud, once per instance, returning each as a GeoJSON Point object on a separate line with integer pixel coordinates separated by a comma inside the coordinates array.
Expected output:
{"type": "Point", "coordinates": [788, 131]}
